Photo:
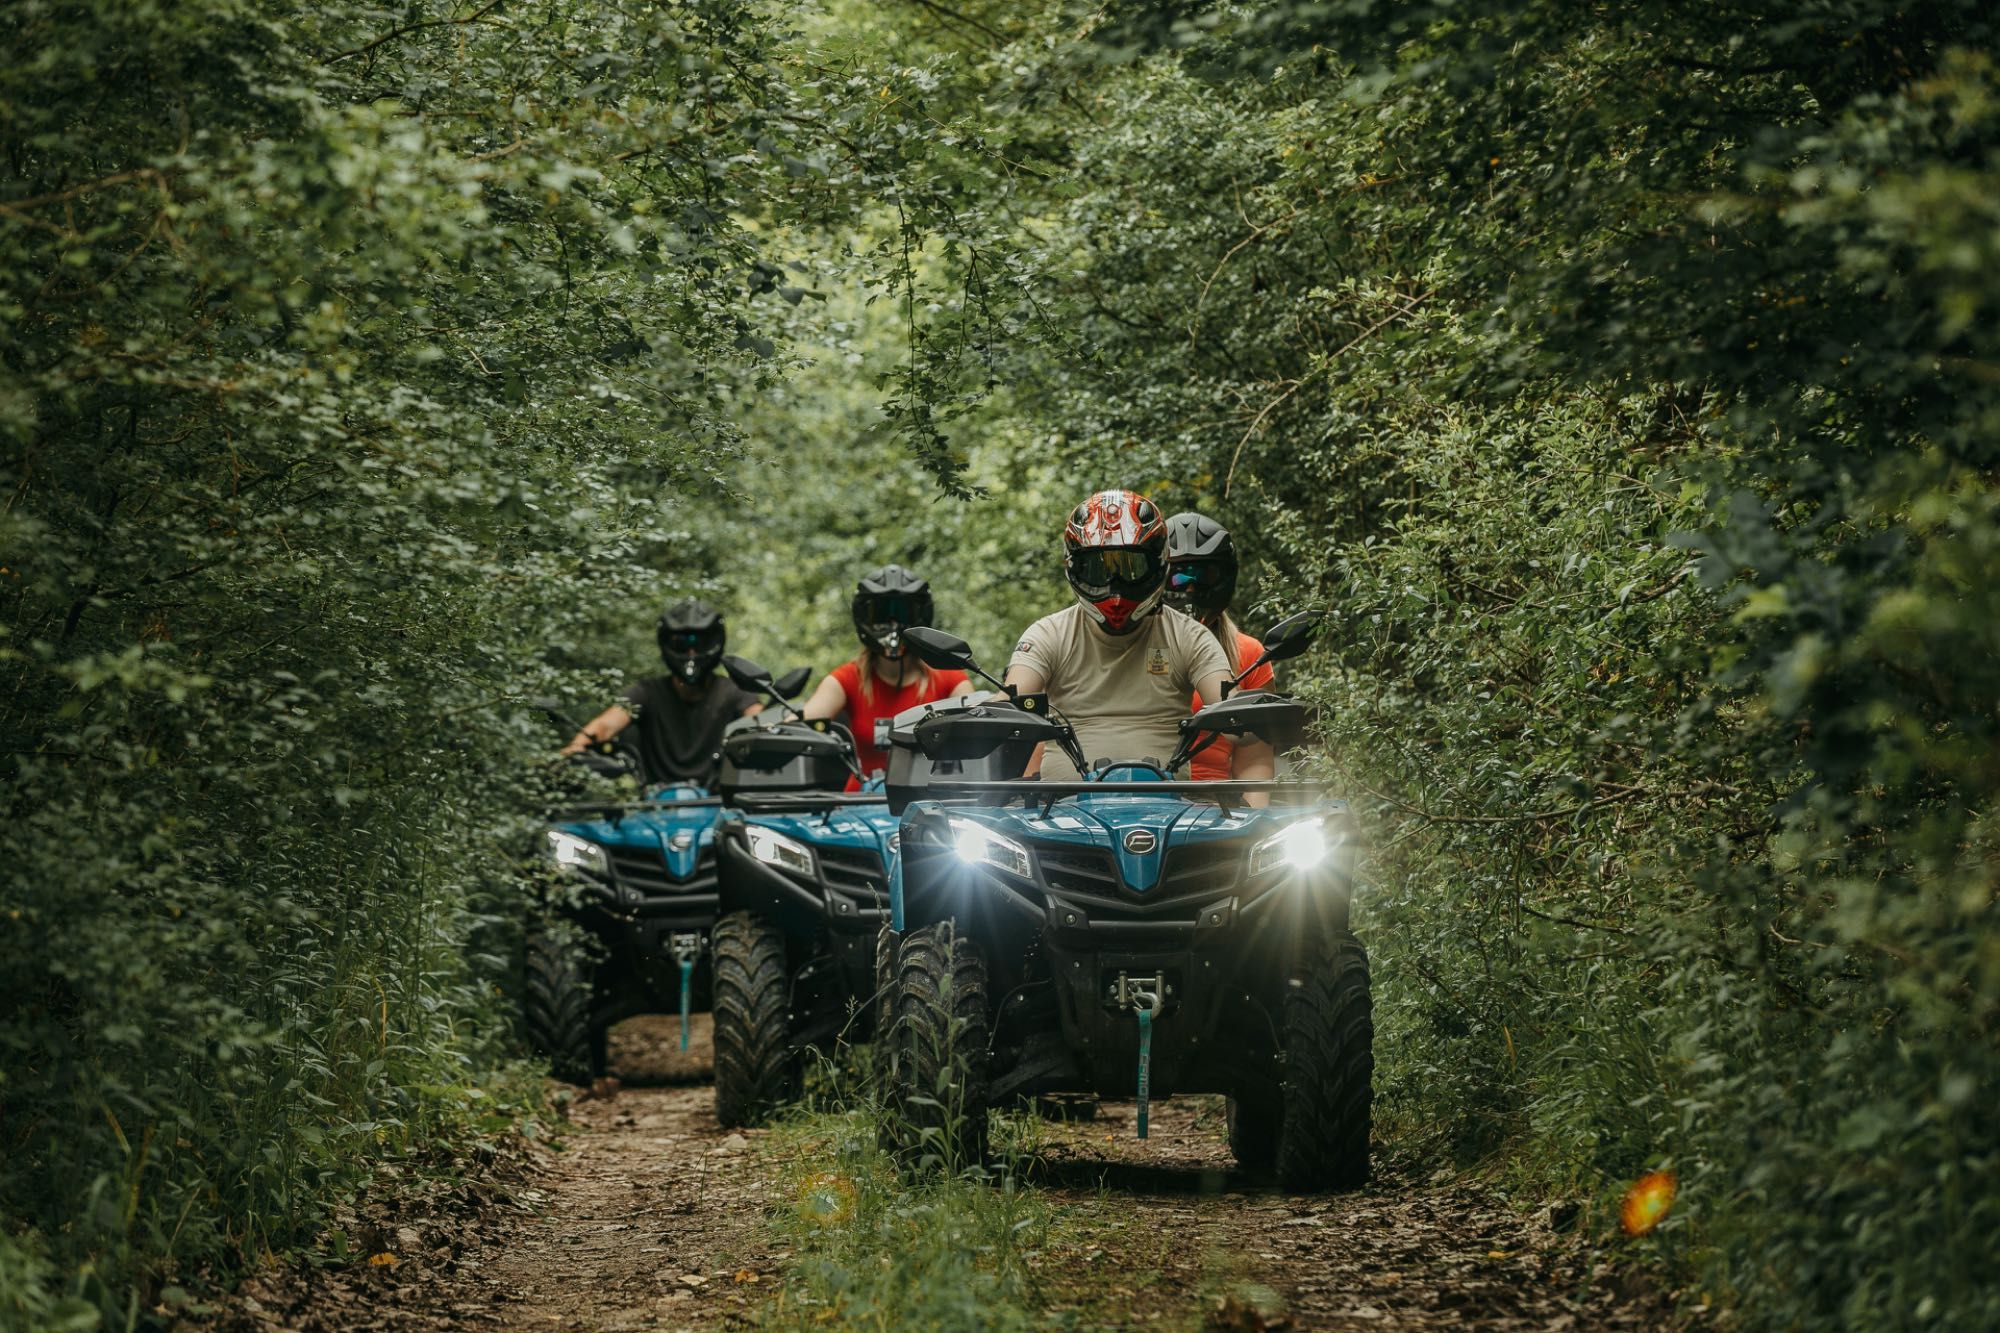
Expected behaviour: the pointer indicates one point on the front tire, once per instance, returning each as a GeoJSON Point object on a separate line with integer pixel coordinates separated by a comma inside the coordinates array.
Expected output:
{"type": "Point", "coordinates": [1322, 1142]}
{"type": "Point", "coordinates": [1253, 1132]}
{"type": "Point", "coordinates": [756, 1061]}
{"type": "Point", "coordinates": [555, 1009]}
{"type": "Point", "coordinates": [935, 1108]}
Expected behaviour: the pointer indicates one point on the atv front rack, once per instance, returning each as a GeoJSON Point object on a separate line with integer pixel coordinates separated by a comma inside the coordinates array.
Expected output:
{"type": "Point", "coordinates": [1046, 794]}
{"type": "Point", "coordinates": [801, 802]}
{"type": "Point", "coordinates": [617, 810]}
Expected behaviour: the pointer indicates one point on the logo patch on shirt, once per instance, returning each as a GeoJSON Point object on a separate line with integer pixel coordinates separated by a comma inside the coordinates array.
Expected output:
{"type": "Point", "coordinates": [1157, 663]}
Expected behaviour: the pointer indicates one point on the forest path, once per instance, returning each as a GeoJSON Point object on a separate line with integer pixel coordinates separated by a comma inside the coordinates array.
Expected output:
{"type": "Point", "coordinates": [652, 1216]}
{"type": "Point", "coordinates": [1185, 1236]}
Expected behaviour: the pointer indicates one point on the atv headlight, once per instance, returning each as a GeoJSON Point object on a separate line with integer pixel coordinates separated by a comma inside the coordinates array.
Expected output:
{"type": "Point", "coordinates": [1302, 845]}
{"type": "Point", "coordinates": [979, 845]}
{"type": "Point", "coordinates": [573, 853]}
{"type": "Point", "coordinates": [775, 849]}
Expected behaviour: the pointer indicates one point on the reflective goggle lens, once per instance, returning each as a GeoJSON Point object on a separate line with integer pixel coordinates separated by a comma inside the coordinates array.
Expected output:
{"type": "Point", "coordinates": [1116, 565]}
{"type": "Point", "coordinates": [1194, 576]}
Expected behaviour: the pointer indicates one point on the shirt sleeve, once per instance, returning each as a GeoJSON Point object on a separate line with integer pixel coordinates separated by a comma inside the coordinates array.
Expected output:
{"type": "Point", "coordinates": [1200, 656]}
{"type": "Point", "coordinates": [635, 695]}
{"type": "Point", "coordinates": [1037, 650]}
{"type": "Point", "coordinates": [744, 699]}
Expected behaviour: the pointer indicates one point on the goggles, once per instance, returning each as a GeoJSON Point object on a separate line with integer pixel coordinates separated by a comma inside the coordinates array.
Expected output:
{"type": "Point", "coordinates": [1101, 570]}
{"type": "Point", "coordinates": [1189, 577]}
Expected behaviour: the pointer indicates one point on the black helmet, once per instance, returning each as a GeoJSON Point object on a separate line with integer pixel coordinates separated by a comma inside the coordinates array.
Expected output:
{"type": "Point", "coordinates": [1201, 565]}
{"type": "Point", "coordinates": [691, 636]}
{"type": "Point", "coordinates": [888, 601]}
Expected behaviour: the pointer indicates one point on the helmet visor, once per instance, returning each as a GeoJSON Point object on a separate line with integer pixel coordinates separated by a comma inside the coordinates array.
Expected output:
{"type": "Point", "coordinates": [689, 642]}
{"type": "Point", "coordinates": [1103, 570]}
{"type": "Point", "coordinates": [894, 609]}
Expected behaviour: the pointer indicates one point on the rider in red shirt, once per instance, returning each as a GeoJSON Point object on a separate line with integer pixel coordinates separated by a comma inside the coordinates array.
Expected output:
{"type": "Point", "coordinates": [886, 677]}
{"type": "Point", "coordinates": [1201, 580]}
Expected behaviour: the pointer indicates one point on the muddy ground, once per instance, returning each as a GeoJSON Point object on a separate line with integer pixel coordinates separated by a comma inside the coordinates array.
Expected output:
{"type": "Point", "coordinates": [646, 1214]}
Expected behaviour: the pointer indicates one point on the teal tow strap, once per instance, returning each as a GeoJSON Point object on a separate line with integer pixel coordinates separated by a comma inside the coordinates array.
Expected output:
{"type": "Point", "coordinates": [687, 978]}
{"type": "Point", "coordinates": [896, 892]}
{"type": "Point", "coordinates": [1145, 1066]}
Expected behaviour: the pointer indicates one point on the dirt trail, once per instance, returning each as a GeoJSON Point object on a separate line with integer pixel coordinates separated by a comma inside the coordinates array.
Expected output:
{"type": "Point", "coordinates": [1228, 1247]}
{"type": "Point", "coordinates": [651, 1216]}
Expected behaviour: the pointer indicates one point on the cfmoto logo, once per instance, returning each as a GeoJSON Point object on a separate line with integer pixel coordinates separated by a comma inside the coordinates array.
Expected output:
{"type": "Point", "coordinates": [680, 842]}
{"type": "Point", "coordinates": [1140, 841]}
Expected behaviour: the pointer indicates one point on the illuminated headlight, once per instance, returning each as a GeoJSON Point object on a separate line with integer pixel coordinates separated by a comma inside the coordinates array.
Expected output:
{"type": "Point", "coordinates": [576, 854]}
{"type": "Point", "coordinates": [979, 845]}
{"type": "Point", "coordinates": [1300, 846]}
{"type": "Point", "coordinates": [775, 849]}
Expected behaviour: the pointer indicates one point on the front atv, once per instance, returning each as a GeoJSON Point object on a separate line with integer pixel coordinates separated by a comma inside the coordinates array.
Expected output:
{"type": "Point", "coordinates": [1130, 936]}
{"type": "Point", "coordinates": [631, 935]}
{"type": "Point", "coordinates": [803, 879]}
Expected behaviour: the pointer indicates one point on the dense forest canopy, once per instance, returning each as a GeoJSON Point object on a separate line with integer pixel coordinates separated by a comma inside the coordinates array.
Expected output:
{"type": "Point", "coordinates": [1622, 378]}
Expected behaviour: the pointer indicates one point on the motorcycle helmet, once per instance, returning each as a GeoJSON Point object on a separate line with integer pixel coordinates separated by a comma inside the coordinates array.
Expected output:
{"type": "Point", "coordinates": [1114, 552]}
{"type": "Point", "coordinates": [886, 602]}
{"type": "Point", "coordinates": [691, 636]}
{"type": "Point", "coordinates": [1201, 566]}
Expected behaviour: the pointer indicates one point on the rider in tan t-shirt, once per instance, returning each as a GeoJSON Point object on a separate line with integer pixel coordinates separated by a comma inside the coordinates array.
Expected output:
{"type": "Point", "coordinates": [1120, 665]}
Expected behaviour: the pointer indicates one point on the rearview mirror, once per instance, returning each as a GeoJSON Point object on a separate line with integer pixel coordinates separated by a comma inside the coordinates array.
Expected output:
{"type": "Point", "coordinates": [1288, 638]}
{"type": "Point", "coordinates": [1291, 636]}
{"type": "Point", "coordinates": [787, 686]}
{"type": "Point", "coordinates": [747, 674]}
{"type": "Point", "coordinates": [941, 651]}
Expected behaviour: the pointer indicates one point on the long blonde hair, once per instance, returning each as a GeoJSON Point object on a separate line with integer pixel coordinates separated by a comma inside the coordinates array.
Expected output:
{"type": "Point", "coordinates": [1229, 636]}
{"type": "Point", "coordinates": [864, 663]}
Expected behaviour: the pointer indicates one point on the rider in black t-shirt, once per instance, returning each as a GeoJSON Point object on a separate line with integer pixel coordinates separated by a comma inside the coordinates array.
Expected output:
{"type": "Point", "coordinates": [681, 714]}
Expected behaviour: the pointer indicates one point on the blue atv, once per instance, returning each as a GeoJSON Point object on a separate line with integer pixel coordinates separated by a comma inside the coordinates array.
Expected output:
{"type": "Point", "coordinates": [631, 934]}
{"type": "Point", "coordinates": [804, 869]}
{"type": "Point", "coordinates": [1128, 935]}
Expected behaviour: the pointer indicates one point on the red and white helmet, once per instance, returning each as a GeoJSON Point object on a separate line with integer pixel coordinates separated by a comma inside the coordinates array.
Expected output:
{"type": "Point", "coordinates": [1115, 554]}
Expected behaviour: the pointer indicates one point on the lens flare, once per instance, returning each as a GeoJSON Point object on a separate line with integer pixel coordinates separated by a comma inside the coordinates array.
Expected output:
{"type": "Point", "coordinates": [826, 1199]}
{"type": "Point", "coordinates": [1647, 1202]}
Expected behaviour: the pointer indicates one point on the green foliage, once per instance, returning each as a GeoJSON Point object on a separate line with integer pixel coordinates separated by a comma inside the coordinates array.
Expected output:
{"type": "Point", "coordinates": [347, 356]}
{"type": "Point", "coordinates": [1624, 381]}
{"type": "Point", "coordinates": [1623, 378]}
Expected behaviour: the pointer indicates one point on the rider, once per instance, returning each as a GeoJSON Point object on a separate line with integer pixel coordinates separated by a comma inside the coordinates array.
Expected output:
{"type": "Point", "coordinates": [1118, 664]}
{"type": "Point", "coordinates": [681, 714]}
{"type": "Point", "coordinates": [885, 677]}
{"type": "Point", "coordinates": [1201, 580]}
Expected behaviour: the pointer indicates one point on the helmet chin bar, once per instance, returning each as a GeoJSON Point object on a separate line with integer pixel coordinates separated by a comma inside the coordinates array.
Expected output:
{"type": "Point", "coordinates": [1120, 615]}
{"type": "Point", "coordinates": [888, 641]}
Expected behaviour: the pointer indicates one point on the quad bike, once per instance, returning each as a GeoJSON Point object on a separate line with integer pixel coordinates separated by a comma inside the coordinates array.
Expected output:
{"type": "Point", "coordinates": [1128, 935]}
{"type": "Point", "coordinates": [804, 869]}
{"type": "Point", "coordinates": [630, 935]}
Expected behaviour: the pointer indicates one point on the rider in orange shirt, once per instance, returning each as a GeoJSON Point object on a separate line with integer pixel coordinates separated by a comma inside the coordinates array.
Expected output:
{"type": "Point", "coordinates": [1201, 580]}
{"type": "Point", "coordinates": [886, 677]}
